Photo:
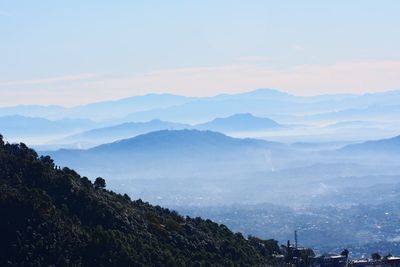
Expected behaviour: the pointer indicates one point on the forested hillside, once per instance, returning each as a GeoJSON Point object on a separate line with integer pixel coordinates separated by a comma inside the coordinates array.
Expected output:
{"type": "Point", "coordinates": [53, 216]}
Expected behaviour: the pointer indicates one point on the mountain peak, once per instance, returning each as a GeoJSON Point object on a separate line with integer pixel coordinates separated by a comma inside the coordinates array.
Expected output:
{"type": "Point", "coordinates": [240, 122]}
{"type": "Point", "coordinates": [169, 138]}
{"type": "Point", "coordinates": [268, 91]}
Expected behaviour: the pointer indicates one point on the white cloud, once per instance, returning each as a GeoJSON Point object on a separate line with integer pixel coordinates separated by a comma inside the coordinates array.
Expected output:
{"type": "Point", "coordinates": [356, 77]}
{"type": "Point", "coordinates": [76, 77]}
{"type": "Point", "coordinates": [255, 59]}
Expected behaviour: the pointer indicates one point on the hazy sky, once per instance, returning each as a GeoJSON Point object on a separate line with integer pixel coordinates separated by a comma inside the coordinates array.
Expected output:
{"type": "Point", "coordinates": [72, 52]}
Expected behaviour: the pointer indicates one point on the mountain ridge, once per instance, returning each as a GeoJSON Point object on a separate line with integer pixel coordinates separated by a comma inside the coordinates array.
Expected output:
{"type": "Point", "coordinates": [387, 146]}
{"type": "Point", "coordinates": [163, 151]}
{"type": "Point", "coordinates": [239, 122]}
{"type": "Point", "coordinates": [123, 107]}
{"type": "Point", "coordinates": [234, 123]}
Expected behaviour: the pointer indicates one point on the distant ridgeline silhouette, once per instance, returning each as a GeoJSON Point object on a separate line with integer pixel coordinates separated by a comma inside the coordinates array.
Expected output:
{"type": "Point", "coordinates": [387, 146]}
{"type": "Point", "coordinates": [53, 216]}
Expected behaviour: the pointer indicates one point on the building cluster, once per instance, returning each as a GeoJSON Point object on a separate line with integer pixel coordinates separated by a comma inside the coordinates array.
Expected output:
{"type": "Point", "coordinates": [389, 261]}
{"type": "Point", "coordinates": [294, 255]}
{"type": "Point", "coordinates": [305, 257]}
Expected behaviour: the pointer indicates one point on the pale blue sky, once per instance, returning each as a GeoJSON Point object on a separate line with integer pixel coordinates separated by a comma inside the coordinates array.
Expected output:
{"type": "Point", "coordinates": [73, 52]}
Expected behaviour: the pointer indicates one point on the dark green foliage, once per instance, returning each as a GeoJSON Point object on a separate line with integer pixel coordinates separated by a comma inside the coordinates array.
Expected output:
{"type": "Point", "coordinates": [52, 216]}
{"type": "Point", "coordinates": [99, 183]}
{"type": "Point", "coordinates": [345, 252]}
{"type": "Point", "coordinates": [376, 256]}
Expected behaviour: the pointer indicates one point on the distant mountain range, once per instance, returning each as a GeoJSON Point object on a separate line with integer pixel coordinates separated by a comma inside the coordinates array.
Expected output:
{"type": "Point", "coordinates": [209, 167]}
{"type": "Point", "coordinates": [235, 123]}
{"type": "Point", "coordinates": [352, 124]}
{"type": "Point", "coordinates": [120, 131]}
{"type": "Point", "coordinates": [112, 110]}
{"type": "Point", "coordinates": [238, 123]}
{"type": "Point", "coordinates": [20, 126]}
{"type": "Point", "coordinates": [100, 111]}
{"type": "Point", "coordinates": [373, 112]}
{"type": "Point", "coordinates": [385, 146]}
{"type": "Point", "coordinates": [167, 151]}
{"type": "Point", "coordinates": [244, 114]}
{"type": "Point", "coordinates": [49, 112]}
{"type": "Point", "coordinates": [267, 102]}
{"type": "Point", "coordinates": [261, 102]}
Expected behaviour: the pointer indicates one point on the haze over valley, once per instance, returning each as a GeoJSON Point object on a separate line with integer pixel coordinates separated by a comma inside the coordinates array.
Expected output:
{"type": "Point", "coordinates": [235, 154]}
{"type": "Point", "coordinates": [200, 133]}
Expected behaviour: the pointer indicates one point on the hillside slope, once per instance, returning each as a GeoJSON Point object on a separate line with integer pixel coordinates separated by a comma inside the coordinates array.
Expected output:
{"type": "Point", "coordinates": [53, 216]}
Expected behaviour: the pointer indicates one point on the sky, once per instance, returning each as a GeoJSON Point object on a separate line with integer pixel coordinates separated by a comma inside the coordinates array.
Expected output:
{"type": "Point", "coordinates": [75, 52]}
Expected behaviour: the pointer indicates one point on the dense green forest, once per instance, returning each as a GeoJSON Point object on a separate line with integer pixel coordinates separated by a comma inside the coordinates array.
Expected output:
{"type": "Point", "coordinates": [52, 216]}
